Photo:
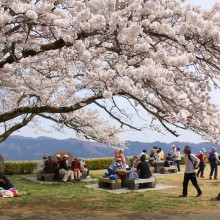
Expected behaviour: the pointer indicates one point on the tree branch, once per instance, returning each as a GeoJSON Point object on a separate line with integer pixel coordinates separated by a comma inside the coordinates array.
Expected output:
{"type": "Point", "coordinates": [15, 127]}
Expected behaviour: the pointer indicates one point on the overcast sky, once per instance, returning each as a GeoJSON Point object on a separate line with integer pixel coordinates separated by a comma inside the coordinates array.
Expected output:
{"type": "Point", "coordinates": [147, 136]}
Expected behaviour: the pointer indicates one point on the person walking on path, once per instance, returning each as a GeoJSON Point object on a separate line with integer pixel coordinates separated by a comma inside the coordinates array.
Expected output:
{"type": "Point", "coordinates": [191, 163]}
{"type": "Point", "coordinates": [214, 161]}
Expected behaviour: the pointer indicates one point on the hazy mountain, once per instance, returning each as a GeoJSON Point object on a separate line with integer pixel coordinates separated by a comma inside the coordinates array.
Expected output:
{"type": "Point", "coordinates": [23, 148]}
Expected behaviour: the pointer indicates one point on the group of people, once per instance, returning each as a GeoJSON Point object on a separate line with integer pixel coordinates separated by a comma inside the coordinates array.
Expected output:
{"type": "Point", "coordinates": [141, 168]}
{"type": "Point", "coordinates": [194, 162]}
{"type": "Point", "coordinates": [61, 166]}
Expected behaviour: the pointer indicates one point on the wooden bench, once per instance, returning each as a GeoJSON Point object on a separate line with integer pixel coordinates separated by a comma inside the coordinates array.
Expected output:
{"type": "Point", "coordinates": [172, 169]}
{"type": "Point", "coordinates": [110, 184]}
{"type": "Point", "coordinates": [145, 183]}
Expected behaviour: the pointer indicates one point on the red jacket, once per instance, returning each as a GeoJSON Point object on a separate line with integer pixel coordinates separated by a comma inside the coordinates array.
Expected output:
{"type": "Point", "coordinates": [75, 165]}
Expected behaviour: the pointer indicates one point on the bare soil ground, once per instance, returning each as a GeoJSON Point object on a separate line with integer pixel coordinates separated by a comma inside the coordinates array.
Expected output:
{"type": "Point", "coordinates": [65, 212]}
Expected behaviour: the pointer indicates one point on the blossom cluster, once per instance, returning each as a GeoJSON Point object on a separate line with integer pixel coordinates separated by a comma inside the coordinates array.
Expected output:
{"type": "Point", "coordinates": [162, 56]}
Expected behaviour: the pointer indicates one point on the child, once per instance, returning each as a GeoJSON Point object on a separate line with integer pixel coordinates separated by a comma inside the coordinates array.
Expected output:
{"type": "Point", "coordinates": [135, 162]}
{"type": "Point", "coordinates": [191, 163]}
{"type": "Point", "coordinates": [113, 167]}
{"type": "Point", "coordinates": [5, 182]}
{"type": "Point", "coordinates": [8, 188]}
{"type": "Point", "coordinates": [76, 169]}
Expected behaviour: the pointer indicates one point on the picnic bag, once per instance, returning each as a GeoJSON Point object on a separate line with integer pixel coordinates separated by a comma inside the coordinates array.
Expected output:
{"type": "Point", "coordinates": [133, 176]}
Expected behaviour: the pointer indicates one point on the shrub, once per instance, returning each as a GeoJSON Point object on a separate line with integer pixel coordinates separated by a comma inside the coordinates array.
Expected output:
{"type": "Point", "coordinates": [23, 167]}
{"type": "Point", "coordinates": [98, 164]}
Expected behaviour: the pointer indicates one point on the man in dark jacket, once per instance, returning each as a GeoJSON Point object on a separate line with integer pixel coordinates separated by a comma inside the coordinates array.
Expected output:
{"type": "Point", "coordinates": [50, 165]}
{"type": "Point", "coordinates": [64, 170]}
{"type": "Point", "coordinates": [143, 168]}
{"type": "Point", "coordinates": [5, 182]}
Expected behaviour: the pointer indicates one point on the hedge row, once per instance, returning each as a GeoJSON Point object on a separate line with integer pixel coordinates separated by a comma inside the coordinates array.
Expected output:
{"type": "Point", "coordinates": [23, 167]}
{"type": "Point", "coordinates": [28, 167]}
{"type": "Point", "coordinates": [99, 164]}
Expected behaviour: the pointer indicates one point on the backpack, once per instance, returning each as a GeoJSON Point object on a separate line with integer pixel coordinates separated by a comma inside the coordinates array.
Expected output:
{"type": "Point", "coordinates": [194, 163]}
{"type": "Point", "coordinates": [113, 177]}
{"type": "Point", "coordinates": [133, 176]}
{"type": "Point", "coordinates": [212, 157]}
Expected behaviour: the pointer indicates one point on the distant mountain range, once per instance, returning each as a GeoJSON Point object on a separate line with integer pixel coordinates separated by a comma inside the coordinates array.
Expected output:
{"type": "Point", "coordinates": [25, 148]}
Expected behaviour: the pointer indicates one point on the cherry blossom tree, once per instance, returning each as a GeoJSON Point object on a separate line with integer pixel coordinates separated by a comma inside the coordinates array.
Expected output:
{"type": "Point", "coordinates": [67, 60]}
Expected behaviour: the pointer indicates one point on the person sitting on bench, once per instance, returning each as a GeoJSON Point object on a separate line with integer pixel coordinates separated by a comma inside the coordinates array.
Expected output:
{"type": "Point", "coordinates": [168, 161]}
{"type": "Point", "coordinates": [50, 165]}
{"type": "Point", "coordinates": [63, 170]}
{"type": "Point", "coordinates": [143, 168]}
{"type": "Point", "coordinates": [113, 167]}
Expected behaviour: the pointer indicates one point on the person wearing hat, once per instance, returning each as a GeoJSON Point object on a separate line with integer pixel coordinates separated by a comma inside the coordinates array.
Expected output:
{"type": "Point", "coordinates": [173, 152]}
{"type": "Point", "coordinates": [63, 169]}
{"type": "Point", "coordinates": [59, 159]}
{"type": "Point", "coordinates": [202, 165]}
{"type": "Point", "coordinates": [214, 161]}
{"type": "Point", "coordinates": [41, 166]}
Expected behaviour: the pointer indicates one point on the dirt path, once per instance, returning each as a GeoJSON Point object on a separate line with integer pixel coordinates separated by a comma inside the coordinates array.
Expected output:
{"type": "Point", "coordinates": [49, 213]}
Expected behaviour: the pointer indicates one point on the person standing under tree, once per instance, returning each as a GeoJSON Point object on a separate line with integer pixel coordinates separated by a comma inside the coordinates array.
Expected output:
{"type": "Point", "coordinates": [191, 163]}
{"type": "Point", "coordinates": [178, 158]}
{"type": "Point", "coordinates": [214, 161]}
{"type": "Point", "coordinates": [202, 165]}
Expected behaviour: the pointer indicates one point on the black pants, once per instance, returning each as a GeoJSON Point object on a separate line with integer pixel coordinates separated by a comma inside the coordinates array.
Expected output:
{"type": "Point", "coordinates": [178, 165]}
{"type": "Point", "coordinates": [214, 169]}
{"type": "Point", "coordinates": [192, 177]}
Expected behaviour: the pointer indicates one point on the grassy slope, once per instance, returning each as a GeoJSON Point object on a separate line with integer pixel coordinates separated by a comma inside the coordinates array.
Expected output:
{"type": "Point", "coordinates": [79, 197]}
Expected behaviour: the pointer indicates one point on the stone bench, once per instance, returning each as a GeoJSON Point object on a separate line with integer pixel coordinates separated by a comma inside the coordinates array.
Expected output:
{"type": "Point", "coordinates": [172, 169]}
{"type": "Point", "coordinates": [110, 184]}
{"type": "Point", "coordinates": [152, 169]}
{"type": "Point", "coordinates": [145, 183]}
{"type": "Point", "coordinates": [45, 177]}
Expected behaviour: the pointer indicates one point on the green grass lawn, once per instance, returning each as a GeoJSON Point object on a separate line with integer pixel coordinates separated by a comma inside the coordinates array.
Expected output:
{"type": "Point", "coordinates": [80, 197]}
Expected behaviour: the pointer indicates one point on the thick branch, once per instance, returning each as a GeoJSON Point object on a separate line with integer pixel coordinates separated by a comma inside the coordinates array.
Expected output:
{"type": "Point", "coordinates": [15, 127]}
{"type": "Point", "coordinates": [46, 109]}
{"type": "Point", "coordinates": [46, 47]}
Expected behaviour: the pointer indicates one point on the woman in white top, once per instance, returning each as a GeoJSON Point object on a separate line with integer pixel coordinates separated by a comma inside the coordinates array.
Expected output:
{"type": "Point", "coordinates": [177, 158]}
